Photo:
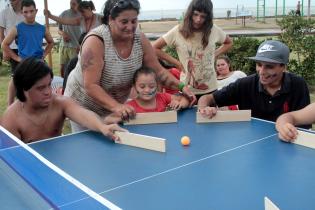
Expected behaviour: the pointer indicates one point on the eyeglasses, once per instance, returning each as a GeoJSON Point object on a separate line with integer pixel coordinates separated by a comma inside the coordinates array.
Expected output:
{"type": "Point", "coordinates": [123, 4]}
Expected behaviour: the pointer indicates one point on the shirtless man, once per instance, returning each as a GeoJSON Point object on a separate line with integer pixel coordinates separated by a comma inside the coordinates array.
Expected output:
{"type": "Point", "coordinates": [39, 114]}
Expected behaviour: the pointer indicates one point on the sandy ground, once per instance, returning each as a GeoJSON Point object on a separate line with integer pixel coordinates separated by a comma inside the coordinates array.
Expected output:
{"type": "Point", "coordinates": [232, 24]}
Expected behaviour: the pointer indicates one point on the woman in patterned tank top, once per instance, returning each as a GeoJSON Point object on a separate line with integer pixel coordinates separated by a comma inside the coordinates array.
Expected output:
{"type": "Point", "coordinates": [109, 57]}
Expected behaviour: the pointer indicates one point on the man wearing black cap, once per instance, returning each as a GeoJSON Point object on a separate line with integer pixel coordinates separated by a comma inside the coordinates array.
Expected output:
{"type": "Point", "coordinates": [269, 93]}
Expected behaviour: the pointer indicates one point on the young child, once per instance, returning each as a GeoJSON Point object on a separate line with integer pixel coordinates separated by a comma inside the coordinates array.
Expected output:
{"type": "Point", "coordinates": [148, 99]}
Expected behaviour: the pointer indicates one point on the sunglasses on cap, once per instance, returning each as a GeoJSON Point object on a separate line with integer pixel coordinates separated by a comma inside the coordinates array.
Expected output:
{"type": "Point", "coordinates": [123, 4]}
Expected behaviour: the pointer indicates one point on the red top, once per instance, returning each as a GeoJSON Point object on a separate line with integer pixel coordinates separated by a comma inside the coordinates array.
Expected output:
{"type": "Point", "coordinates": [162, 100]}
{"type": "Point", "coordinates": [176, 73]}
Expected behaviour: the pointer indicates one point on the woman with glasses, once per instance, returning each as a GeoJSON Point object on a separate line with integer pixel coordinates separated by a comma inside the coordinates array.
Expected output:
{"type": "Point", "coordinates": [109, 57]}
{"type": "Point", "coordinates": [87, 21]}
{"type": "Point", "coordinates": [195, 41]}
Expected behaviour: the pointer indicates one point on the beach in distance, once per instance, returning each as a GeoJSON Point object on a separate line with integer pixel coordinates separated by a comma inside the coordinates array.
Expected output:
{"type": "Point", "coordinates": [162, 26]}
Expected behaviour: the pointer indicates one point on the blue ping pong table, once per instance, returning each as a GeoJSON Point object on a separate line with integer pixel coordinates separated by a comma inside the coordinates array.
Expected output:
{"type": "Point", "coordinates": [228, 166]}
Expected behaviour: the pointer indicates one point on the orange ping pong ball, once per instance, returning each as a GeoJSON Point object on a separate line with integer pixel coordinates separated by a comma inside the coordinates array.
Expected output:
{"type": "Point", "coordinates": [185, 140]}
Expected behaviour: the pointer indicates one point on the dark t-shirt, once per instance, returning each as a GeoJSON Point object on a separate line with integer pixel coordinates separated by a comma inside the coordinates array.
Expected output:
{"type": "Point", "coordinates": [248, 93]}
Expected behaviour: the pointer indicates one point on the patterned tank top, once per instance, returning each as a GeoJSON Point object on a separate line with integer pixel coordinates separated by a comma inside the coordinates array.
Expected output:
{"type": "Point", "coordinates": [117, 74]}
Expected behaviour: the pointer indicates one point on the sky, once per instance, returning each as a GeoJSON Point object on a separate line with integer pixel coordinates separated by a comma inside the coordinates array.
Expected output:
{"type": "Point", "coordinates": [56, 8]}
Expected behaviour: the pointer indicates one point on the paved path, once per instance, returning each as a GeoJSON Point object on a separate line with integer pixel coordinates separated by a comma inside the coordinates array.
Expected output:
{"type": "Point", "coordinates": [233, 33]}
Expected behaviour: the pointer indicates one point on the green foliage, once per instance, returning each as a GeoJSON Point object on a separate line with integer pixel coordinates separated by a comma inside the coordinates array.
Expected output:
{"type": "Point", "coordinates": [296, 34]}
{"type": "Point", "coordinates": [171, 51]}
{"type": "Point", "coordinates": [244, 47]}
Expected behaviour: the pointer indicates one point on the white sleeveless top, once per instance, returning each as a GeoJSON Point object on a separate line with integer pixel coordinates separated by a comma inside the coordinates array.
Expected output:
{"type": "Point", "coordinates": [116, 78]}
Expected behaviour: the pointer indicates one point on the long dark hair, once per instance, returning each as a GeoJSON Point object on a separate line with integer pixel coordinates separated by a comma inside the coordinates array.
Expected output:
{"type": "Point", "coordinates": [186, 28]}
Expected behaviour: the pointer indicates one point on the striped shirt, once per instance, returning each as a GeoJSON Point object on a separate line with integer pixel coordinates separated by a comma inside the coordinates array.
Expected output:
{"type": "Point", "coordinates": [117, 74]}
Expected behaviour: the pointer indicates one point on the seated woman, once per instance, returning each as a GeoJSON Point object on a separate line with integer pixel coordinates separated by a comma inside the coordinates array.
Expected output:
{"type": "Point", "coordinates": [225, 73]}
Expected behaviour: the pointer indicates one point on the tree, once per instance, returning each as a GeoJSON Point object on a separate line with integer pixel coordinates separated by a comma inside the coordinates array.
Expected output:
{"type": "Point", "coordinates": [297, 33]}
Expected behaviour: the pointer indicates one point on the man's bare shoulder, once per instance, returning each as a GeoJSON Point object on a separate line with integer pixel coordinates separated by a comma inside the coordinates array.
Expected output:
{"type": "Point", "coordinates": [61, 100]}
{"type": "Point", "coordinates": [11, 118]}
{"type": "Point", "coordinates": [63, 103]}
{"type": "Point", "coordinates": [12, 111]}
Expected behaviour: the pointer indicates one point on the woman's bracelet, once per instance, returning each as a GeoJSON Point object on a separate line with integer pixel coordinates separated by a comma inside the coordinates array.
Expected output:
{"type": "Point", "coordinates": [181, 86]}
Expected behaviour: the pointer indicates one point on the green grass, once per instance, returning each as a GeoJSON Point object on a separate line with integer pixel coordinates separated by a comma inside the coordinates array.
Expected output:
{"type": "Point", "coordinates": [4, 81]}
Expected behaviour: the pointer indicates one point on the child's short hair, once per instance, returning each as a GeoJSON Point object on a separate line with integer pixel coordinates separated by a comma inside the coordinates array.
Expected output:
{"type": "Point", "coordinates": [143, 70]}
{"type": "Point", "coordinates": [27, 73]}
{"type": "Point", "coordinates": [28, 3]}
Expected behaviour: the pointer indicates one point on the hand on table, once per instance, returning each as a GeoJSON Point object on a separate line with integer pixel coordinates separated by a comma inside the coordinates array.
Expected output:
{"type": "Point", "coordinates": [109, 130]}
{"type": "Point", "coordinates": [175, 105]}
{"type": "Point", "coordinates": [208, 112]}
{"type": "Point", "coordinates": [287, 132]}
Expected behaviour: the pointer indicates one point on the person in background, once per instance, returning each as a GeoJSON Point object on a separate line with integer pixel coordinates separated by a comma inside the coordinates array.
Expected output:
{"type": "Point", "coordinates": [39, 114]}
{"type": "Point", "coordinates": [87, 21]}
{"type": "Point", "coordinates": [71, 64]}
{"type": "Point", "coordinates": [109, 57]}
{"type": "Point", "coordinates": [9, 18]}
{"type": "Point", "coordinates": [29, 35]}
{"type": "Point", "coordinates": [269, 93]}
{"type": "Point", "coordinates": [69, 44]}
{"type": "Point", "coordinates": [298, 9]}
{"type": "Point", "coordinates": [225, 73]}
{"type": "Point", "coordinates": [286, 123]}
{"type": "Point", "coordinates": [195, 41]}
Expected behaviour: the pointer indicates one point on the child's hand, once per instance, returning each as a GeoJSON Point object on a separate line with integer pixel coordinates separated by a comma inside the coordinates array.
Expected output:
{"type": "Point", "coordinates": [175, 105]}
